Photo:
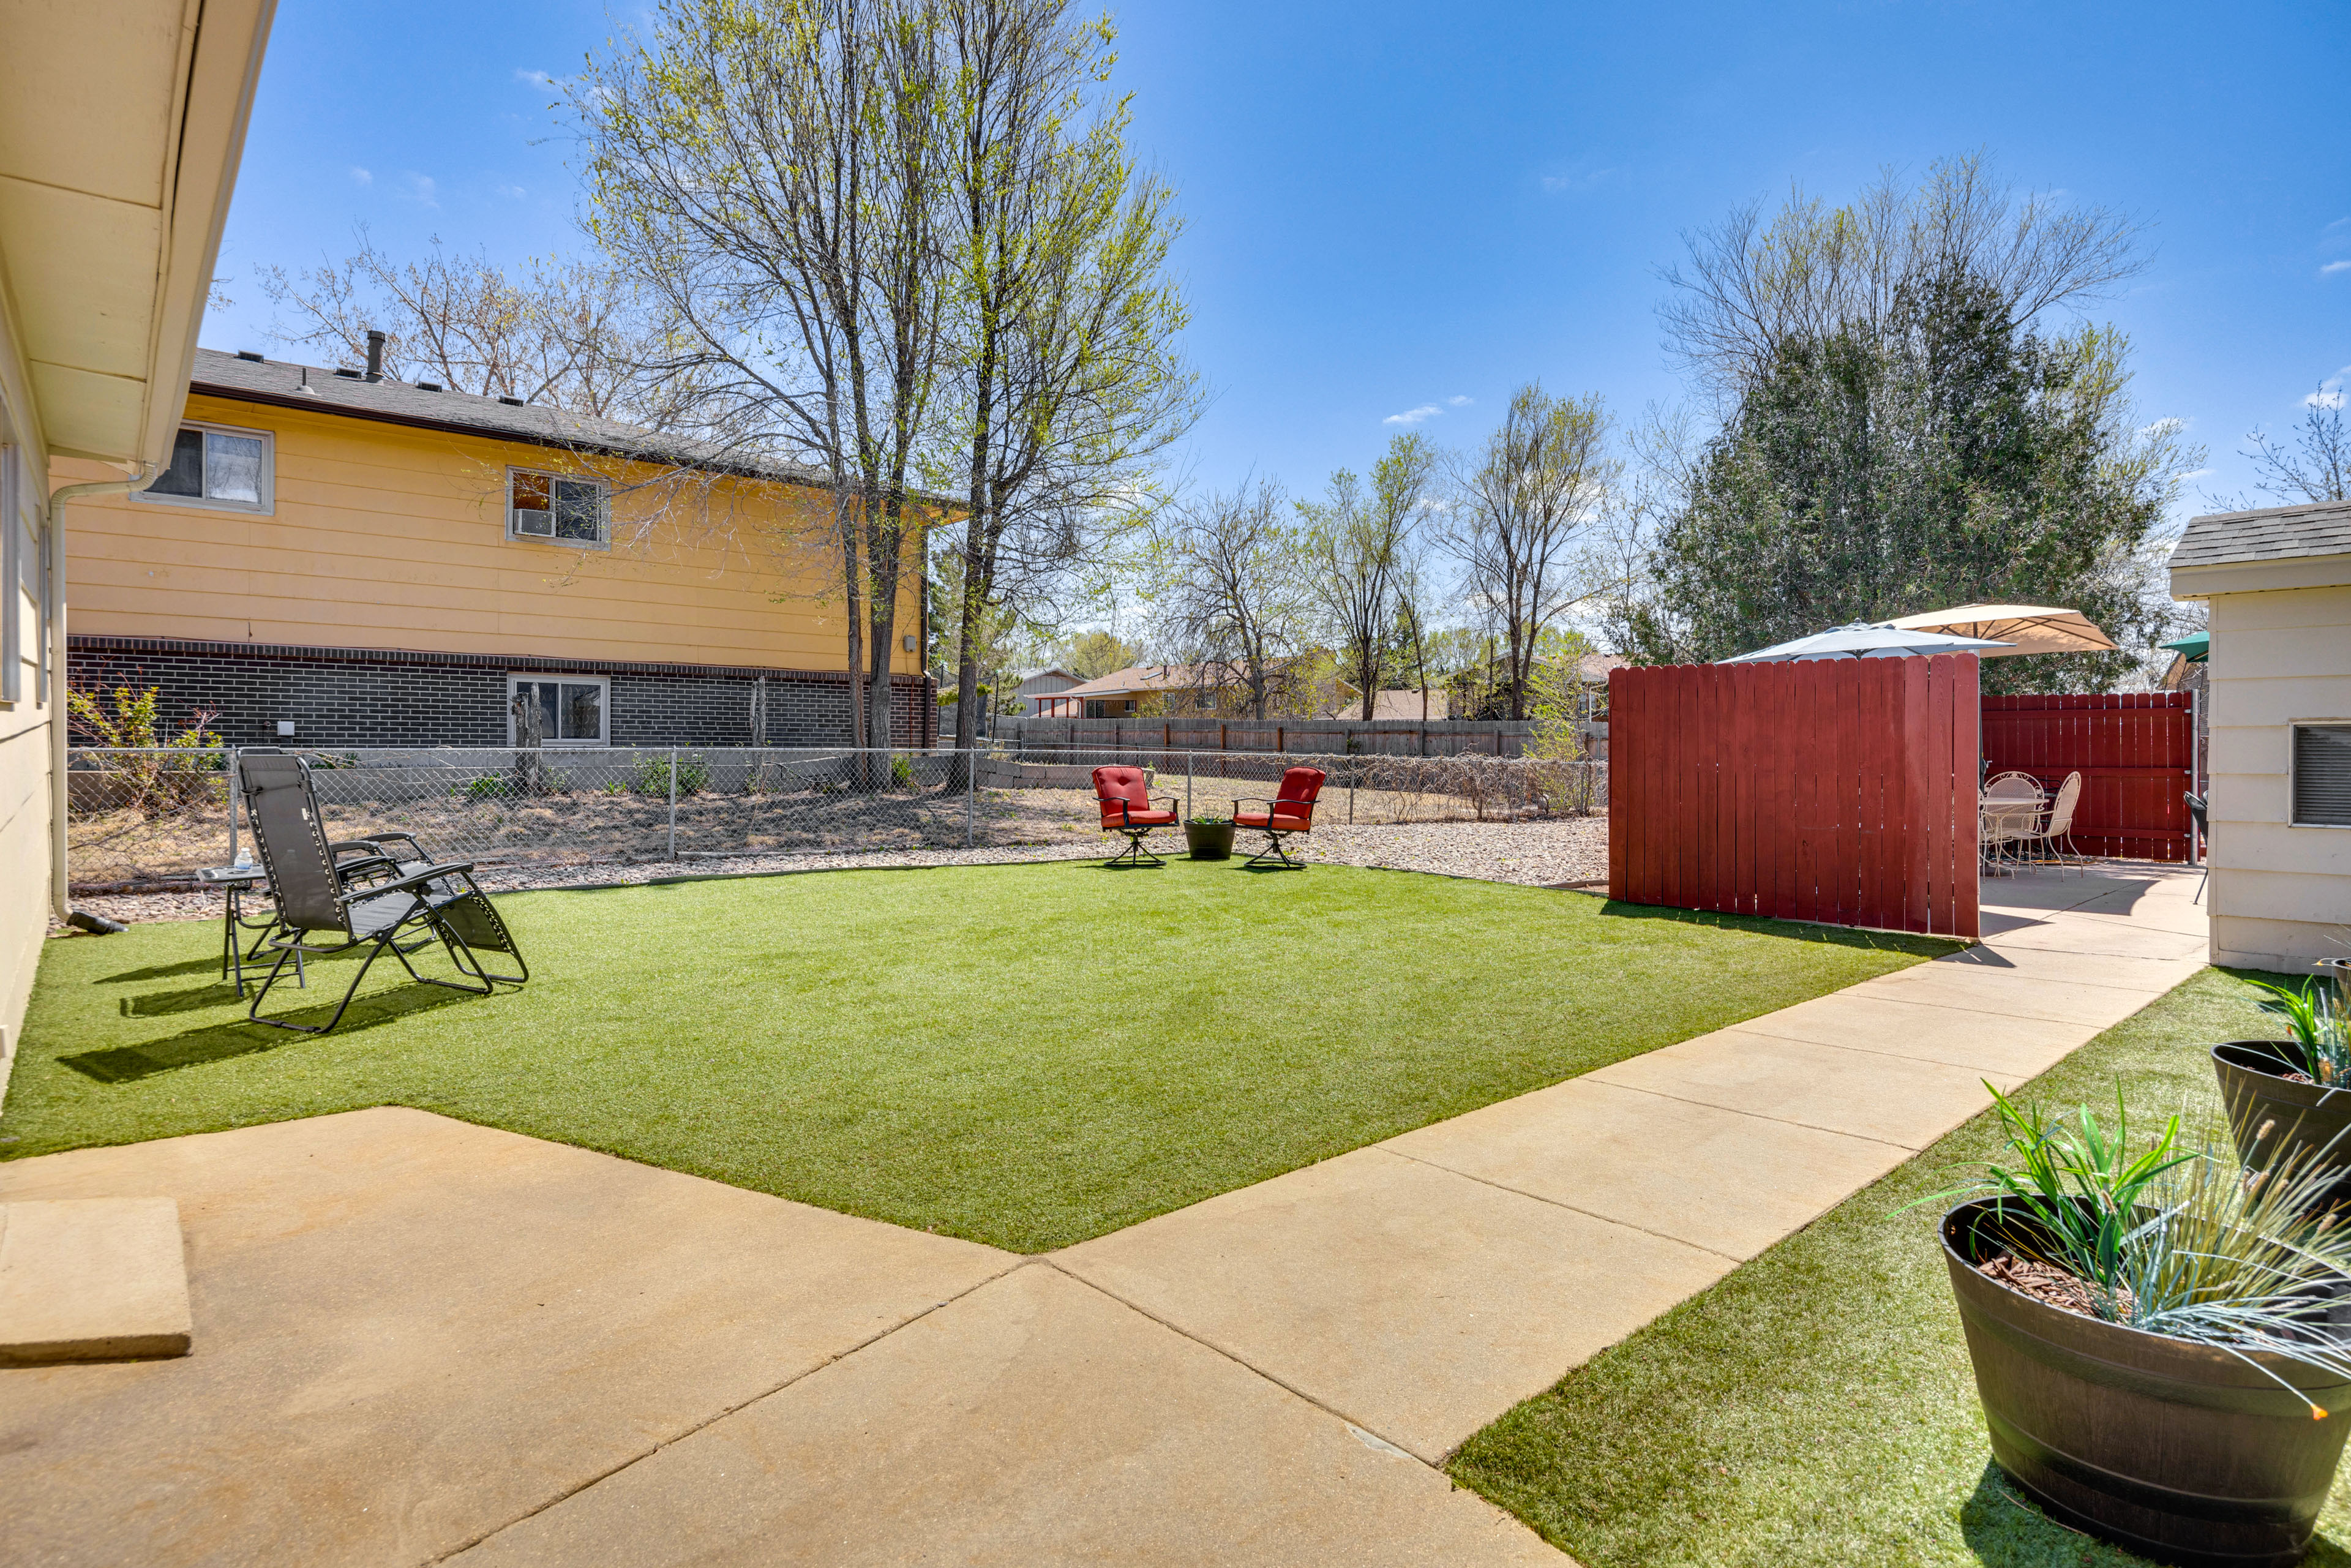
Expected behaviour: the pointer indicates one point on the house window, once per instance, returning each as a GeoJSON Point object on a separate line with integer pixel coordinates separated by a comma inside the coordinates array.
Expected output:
{"type": "Point", "coordinates": [574, 710]}
{"type": "Point", "coordinates": [217, 467]}
{"type": "Point", "coordinates": [559, 509]}
{"type": "Point", "coordinates": [2321, 776]}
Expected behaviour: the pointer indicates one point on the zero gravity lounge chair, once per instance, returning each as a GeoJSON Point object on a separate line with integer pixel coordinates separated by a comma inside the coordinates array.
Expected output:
{"type": "Point", "coordinates": [334, 898]}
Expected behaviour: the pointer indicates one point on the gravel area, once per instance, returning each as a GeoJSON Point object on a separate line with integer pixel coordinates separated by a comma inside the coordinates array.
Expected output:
{"type": "Point", "coordinates": [1537, 853]}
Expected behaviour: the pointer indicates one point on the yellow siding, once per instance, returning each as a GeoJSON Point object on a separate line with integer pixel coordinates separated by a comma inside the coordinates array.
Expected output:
{"type": "Point", "coordinates": [387, 537]}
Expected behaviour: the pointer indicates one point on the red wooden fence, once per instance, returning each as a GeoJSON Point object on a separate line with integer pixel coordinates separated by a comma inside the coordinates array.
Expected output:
{"type": "Point", "coordinates": [2133, 754]}
{"type": "Point", "coordinates": [1841, 790]}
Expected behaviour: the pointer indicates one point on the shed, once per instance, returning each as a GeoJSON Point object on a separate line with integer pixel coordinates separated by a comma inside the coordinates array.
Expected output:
{"type": "Point", "coordinates": [2278, 581]}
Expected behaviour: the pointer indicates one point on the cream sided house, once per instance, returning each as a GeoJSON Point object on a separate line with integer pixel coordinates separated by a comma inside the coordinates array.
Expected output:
{"type": "Point", "coordinates": [2279, 674]}
{"type": "Point", "coordinates": [334, 558]}
{"type": "Point", "coordinates": [122, 123]}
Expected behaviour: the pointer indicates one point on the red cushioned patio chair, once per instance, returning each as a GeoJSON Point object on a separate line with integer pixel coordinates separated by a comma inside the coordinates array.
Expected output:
{"type": "Point", "coordinates": [1125, 796]}
{"type": "Point", "coordinates": [1292, 811]}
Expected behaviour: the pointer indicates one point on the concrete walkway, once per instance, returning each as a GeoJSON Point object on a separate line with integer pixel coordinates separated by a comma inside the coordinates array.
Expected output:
{"type": "Point", "coordinates": [420, 1341]}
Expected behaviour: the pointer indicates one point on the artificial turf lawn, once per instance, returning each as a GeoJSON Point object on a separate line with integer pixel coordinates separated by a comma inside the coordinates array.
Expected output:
{"type": "Point", "coordinates": [1815, 1406]}
{"type": "Point", "coordinates": [1022, 1055]}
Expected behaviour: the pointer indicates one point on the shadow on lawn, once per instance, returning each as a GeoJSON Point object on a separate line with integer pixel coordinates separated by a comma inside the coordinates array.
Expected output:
{"type": "Point", "coordinates": [220, 1042]}
{"type": "Point", "coordinates": [2005, 1529]}
{"type": "Point", "coordinates": [1796, 930]}
{"type": "Point", "coordinates": [164, 972]}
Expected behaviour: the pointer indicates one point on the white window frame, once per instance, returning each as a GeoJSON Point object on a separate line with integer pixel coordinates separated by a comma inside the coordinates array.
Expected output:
{"type": "Point", "coordinates": [603, 539]}
{"type": "Point", "coordinates": [2291, 816]}
{"type": "Point", "coordinates": [603, 706]}
{"type": "Point", "coordinates": [266, 508]}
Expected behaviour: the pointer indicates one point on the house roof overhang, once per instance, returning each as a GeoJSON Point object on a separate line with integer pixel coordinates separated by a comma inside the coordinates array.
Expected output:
{"type": "Point", "coordinates": [2270, 576]}
{"type": "Point", "coordinates": [121, 124]}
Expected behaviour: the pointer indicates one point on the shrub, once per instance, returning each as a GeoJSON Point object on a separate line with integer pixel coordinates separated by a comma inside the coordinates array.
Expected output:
{"type": "Point", "coordinates": [652, 775]}
{"type": "Point", "coordinates": [902, 771]}
{"type": "Point", "coordinates": [157, 776]}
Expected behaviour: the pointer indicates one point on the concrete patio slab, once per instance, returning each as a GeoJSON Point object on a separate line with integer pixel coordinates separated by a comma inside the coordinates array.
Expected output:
{"type": "Point", "coordinates": [1892, 1099]}
{"type": "Point", "coordinates": [2001, 1046]}
{"type": "Point", "coordinates": [1719, 1179]}
{"type": "Point", "coordinates": [91, 1279]}
{"type": "Point", "coordinates": [1034, 1421]}
{"type": "Point", "coordinates": [416, 1331]}
{"type": "Point", "coordinates": [2062, 931]}
{"type": "Point", "coordinates": [1998, 992]}
{"type": "Point", "coordinates": [1414, 1302]}
{"type": "Point", "coordinates": [2148, 975]}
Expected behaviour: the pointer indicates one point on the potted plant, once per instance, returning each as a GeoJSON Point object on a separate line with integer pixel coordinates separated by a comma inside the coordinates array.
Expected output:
{"type": "Point", "coordinates": [2294, 1094]}
{"type": "Point", "coordinates": [1210, 838]}
{"type": "Point", "coordinates": [2154, 1336]}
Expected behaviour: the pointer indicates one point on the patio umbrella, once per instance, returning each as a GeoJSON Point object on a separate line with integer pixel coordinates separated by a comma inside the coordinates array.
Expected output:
{"type": "Point", "coordinates": [2026, 628]}
{"type": "Point", "coordinates": [1863, 640]}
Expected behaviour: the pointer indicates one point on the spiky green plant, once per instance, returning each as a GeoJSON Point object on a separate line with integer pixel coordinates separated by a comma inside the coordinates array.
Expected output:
{"type": "Point", "coordinates": [2173, 1238]}
{"type": "Point", "coordinates": [2316, 1014]}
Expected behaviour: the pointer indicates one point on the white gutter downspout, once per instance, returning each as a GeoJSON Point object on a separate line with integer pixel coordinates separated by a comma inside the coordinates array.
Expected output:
{"type": "Point", "coordinates": [60, 801]}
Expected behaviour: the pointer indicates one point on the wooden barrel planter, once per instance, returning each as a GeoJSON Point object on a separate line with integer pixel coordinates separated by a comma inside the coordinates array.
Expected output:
{"type": "Point", "coordinates": [1209, 841]}
{"type": "Point", "coordinates": [2179, 1452]}
{"type": "Point", "coordinates": [2270, 1115]}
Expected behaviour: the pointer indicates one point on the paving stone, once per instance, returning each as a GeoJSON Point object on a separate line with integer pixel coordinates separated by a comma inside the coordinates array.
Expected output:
{"type": "Point", "coordinates": [1034, 1421]}
{"type": "Point", "coordinates": [93, 1278]}
{"type": "Point", "coordinates": [1719, 1179]}
{"type": "Point", "coordinates": [1893, 1098]}
{"type": "Point", "coordinates": [1413, 1300]}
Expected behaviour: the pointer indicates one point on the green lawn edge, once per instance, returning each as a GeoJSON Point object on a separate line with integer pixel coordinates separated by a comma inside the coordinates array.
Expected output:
{"type": "Point", "coordinates": [1815, 1404]}
{"type": "Point", "coordinates": [1025, 1055]}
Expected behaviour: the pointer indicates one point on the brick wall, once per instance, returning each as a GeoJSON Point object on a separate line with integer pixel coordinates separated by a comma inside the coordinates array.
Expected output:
{"type": "Point", "coordinates": [356, 696]}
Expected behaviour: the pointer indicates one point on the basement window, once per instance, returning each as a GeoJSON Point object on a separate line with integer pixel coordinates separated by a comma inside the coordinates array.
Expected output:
{"type": "Point", "coordinates": [574, 710]}
{"type": "Point", "coordinates": [557, 509]}
{"type": "Point", "coordinates": [219, 467]}
{"type": "Point", "coordinates": [2322, 775]}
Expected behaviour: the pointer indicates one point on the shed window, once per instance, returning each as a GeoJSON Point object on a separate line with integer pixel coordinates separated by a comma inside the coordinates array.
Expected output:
{"type": "Point", "coordinates": [556, 509]}
{"type": "Point", "coordinates": [572, 709]}
{"type": "Point", "coordinates": [213, 465]}
{"type": "Point", "coordinates": [2322, 775]}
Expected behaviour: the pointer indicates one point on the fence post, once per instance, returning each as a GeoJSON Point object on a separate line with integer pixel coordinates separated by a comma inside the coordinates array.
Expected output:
{"type": "Point", "coordinates": [970, 790]}
{"type": "Point", "coordinates": [1191, 765]}
{"type": "Point", "coordinates": [673, 802]}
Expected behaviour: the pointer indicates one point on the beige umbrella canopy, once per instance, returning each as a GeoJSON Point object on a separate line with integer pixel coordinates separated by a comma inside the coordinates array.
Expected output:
{"type": "Point", "coordinates": [2026, 628]}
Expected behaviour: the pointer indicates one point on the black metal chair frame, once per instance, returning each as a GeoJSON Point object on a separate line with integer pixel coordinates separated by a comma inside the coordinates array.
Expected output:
{"type": "Point", "coordinates": [1135, 853]}
{"type": "Point", "coordinates": [370, 899]}
{"type": "Point", "coordinates": [2200, 839]}
{"type": "Point", "coordinates": [1273, 855]}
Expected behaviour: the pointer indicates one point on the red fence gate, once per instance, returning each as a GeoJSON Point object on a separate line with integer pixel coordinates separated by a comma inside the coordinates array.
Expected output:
{"type": "Point", "coordinates": [2134, 753]}
{"type": "Point", "coordinates": [1841, 790]}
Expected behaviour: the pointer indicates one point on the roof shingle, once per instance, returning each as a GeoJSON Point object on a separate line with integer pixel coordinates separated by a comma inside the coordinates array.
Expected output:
{"type": "Point", "coordinates": [2273, 533]}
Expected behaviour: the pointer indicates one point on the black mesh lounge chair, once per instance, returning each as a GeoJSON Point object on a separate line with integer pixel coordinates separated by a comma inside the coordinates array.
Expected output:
{"type": "Point", "coordinates": [359, 894]}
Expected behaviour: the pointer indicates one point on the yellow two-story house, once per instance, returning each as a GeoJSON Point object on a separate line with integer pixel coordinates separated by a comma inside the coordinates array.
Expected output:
{"type": "Point", "coordinates": [335, 558]}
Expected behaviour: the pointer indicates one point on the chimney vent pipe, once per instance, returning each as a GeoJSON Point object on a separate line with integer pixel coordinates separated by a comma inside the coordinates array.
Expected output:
{"type": "Point", "coordinates": [375, 355]}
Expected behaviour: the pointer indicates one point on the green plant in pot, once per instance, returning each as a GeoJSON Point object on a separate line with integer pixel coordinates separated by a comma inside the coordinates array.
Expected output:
{"type": "Point", "coordinates": [2158, 1338]}
{"type": "Point", "coordinates": [2294, 1094]}
{"type": "Point", "coordinates": [1210, 838]}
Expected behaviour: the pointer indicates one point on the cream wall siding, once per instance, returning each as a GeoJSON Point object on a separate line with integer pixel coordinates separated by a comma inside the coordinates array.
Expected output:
{"type": "Point", "coordinates": [386, 536]}
{"type": "Point", "coordinates": [2281, 895]}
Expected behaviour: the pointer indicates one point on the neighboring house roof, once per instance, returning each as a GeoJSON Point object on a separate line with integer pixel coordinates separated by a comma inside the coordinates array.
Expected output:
{"type": "Point", "coordinates": [2273, 533]}
{"type": "Point", "coordinates": [284, 384]}
{"type": "Point", "coordinates": [1047, 681]}
{"type": "Point", "coordinates": [1397, 703]}
{"type": "Point", "coordinates": [1595, 667]}
{"type": "Point", "coordinates": [1142, 678]}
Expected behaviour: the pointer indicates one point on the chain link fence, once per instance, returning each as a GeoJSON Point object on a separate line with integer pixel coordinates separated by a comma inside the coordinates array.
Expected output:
{"type": "Point", "coordinates": [147, 819]}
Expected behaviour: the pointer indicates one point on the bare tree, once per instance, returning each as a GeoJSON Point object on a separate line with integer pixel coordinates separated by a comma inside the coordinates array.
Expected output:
{"type": "Point", "coordinates": [1232, 598]}
{"type": "Point", "coordinates": [773, 172]}
{"type": "Point", "coordinates": [2317, 465]}
{"type": "Point", "coordinates": [1358, 551]}
{"type": "Point", "coordinates": [566, 333]}
{"type": "Point", "coordinates": [1521, 503]}
{"type": "Point", "coordinates": [1747, 287]}
{"type": "Point", "coordinates": [1060, 317]}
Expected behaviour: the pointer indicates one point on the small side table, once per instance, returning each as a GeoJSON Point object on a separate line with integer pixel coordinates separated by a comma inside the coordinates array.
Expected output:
{"type": "Point", "coordinates": [235, 881]}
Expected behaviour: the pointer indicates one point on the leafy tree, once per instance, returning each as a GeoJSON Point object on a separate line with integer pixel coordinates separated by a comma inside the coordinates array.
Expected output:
{"type": "Point", "coordinates": [1901, 436]}
{"type": "Point", "coordinates": [1359, 549]}
{"type": "Point", "coordinates": [1089, 655]}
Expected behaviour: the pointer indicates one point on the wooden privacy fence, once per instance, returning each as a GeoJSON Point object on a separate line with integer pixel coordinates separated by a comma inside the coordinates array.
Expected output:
{"type": "Point", "coordinates": [1840, 790]}
{"type": "Point", "coordinates": [2135, 754]}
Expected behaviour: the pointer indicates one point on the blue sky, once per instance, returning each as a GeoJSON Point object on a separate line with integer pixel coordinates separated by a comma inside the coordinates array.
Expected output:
{"type": "Point", "coordinates": [1392, 207]}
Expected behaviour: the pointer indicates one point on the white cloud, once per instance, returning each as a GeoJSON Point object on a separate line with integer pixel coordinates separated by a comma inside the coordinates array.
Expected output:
{"type": "Point", "coordinates": [362, 176]}
{"type": "Point", "coordinates": [513, 193]}
{"type": "Point", "coordinates": [1414, 415]}
{"type": "Point", "coordinates": [1457, 401]}
{"type": "Point", "coordinates": [2330, 395]}
{"type": "Point", "coordinates": [535, 79]}
{"type": "Point", "coordinates": [418, 188]}
{"type": "Point", "coordinates": [1580, 179]}
{"type": "Point", "coordinates": [2334, 266]}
